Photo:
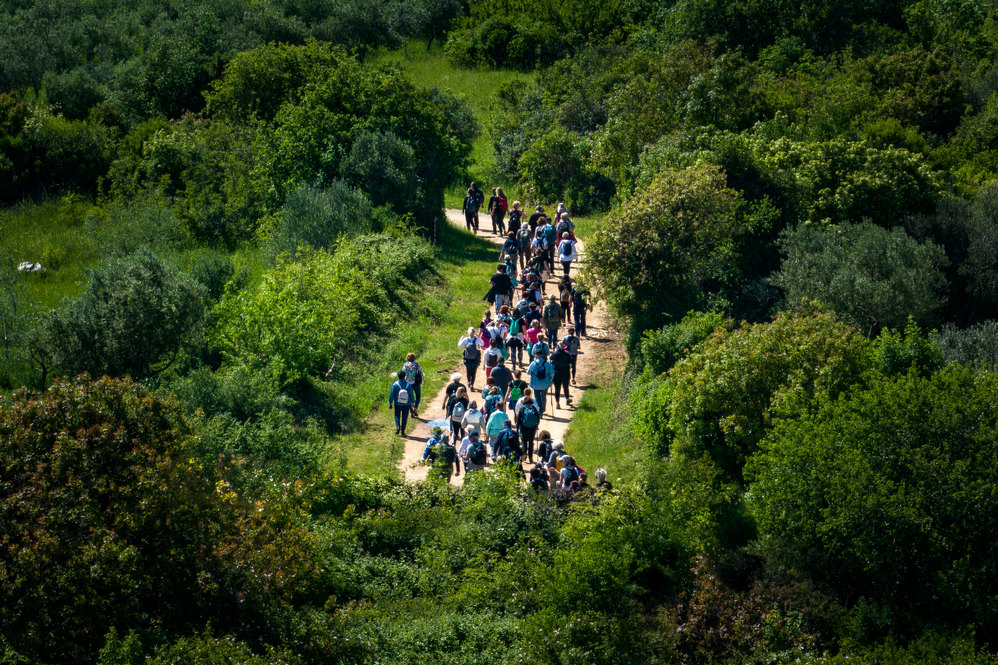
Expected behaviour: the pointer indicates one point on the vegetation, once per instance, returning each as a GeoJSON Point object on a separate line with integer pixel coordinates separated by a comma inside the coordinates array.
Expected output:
{"type": "Point", "coordinates": [235, 206]}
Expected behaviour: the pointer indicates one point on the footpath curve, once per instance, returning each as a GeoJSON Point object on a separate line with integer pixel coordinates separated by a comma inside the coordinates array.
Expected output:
{"type": "Point", "coordinates": [557, 420]}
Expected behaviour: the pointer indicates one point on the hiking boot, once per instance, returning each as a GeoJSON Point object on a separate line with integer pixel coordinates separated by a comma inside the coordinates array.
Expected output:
{"type": "Point", "coordinates": [557, 404]}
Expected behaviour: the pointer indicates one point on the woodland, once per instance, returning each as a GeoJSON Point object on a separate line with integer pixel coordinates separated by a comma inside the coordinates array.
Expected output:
{"type": "Point", "coordinates": [237, 207]}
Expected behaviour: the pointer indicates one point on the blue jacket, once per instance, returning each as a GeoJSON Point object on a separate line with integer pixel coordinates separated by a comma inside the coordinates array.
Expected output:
{"type": "Point", "coordinates": [401, 384]}
{"type": "Point", "coordinates": [534, 370]}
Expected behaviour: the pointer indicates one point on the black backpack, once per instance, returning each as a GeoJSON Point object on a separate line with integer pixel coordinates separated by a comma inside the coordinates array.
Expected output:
{"type": "Point", "coordinates": [563, 227]}
{"type": "Point", "coordinates": [471, 352]}
{"type": "Point", "coordinates": [477, 453]}
{"type": "Point", "coordinates": [448, 453]}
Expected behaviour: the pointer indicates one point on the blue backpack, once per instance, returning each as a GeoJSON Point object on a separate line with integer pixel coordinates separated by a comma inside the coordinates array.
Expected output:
{"type": "Point", "coordinates": [531, 417]}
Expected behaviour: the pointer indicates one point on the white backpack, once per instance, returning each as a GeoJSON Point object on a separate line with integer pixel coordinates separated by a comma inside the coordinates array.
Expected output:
{"type": "Point", "coordinates": [403, 397]}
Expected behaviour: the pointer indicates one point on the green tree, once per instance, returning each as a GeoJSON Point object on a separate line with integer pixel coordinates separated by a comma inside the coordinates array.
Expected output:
{"type": "Point", "coordinates": [104, 523]}
{"type": "Point", "coordinates": [669, 247]}
{"type": "Point", "coordinates": [886, 484]}
{"type": "Point", "coordinates": [317, 216]}
{"type": "Point", "coordinates": [723, 398]}
{"type": "Point", "coordinates": [134, 316]}
{"type": "Point", "coordinates": [872, 277]}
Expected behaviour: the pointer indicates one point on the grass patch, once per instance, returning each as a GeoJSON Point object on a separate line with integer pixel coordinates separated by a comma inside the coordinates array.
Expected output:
{"type": "Point", "coordinates": [465, 264]}
{"type": "Point", "coordinates": [600, 435]}
{"type": "Point", "coordinates": [477, 86]}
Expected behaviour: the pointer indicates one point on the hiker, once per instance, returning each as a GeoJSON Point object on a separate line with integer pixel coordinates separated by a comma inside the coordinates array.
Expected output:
{"type": "Point", "coordinates": [479, 200]}
{"type": "Point", "coordinates": [502, 287]}
{"type": "Point", "coordinates": [569, 473]}
{"type": "Point", "coordinates": [470, 210]}
{"type": "Point", "coordinates": [565, 299]}
{"type": "Point", "coordinates": [535, 218]}
{"type": "Point", "coordinates": [538, 480]}
{"type": "Point", "coordinates": [602, 483]}
{"type": "Point", "coordinates": [567, 252]}
{"type": "Point", "coordinates": [507, 444]}
{"type": "Point", "coordinates": [580, 303]}
{"type": "Point", "coordinates": [400, 397]}
{"type": "Point", "coordinates": [572, 342]}
{"type": "Point", "coordinates": [436, 436]}
{"type": "Point", "coordinates": [473, 418]}
{"type": "Point", "coordinates": [473, 452]}
{"type": "Point", "coordinates": [527, 420]}
{"type": "Point", "coordinates": [492, 356]}
{"type": "Point", "coordinates": [517, 388]}
{"type": "Point", "coordinates": [414, 375]}
{"type": "Point", "coordinates": [455, 383]}
{"type": "Point", "coordinates": [503, 377]}
{"type": "Point", "coordinates": [564, 224]}
{"type": "Point", "coordinates": [493, 402]}
{"type": "Point", "coordinates": [448, 454]}
{"type": "Point", "coordinates": [524, 235]}
{"type": "Point", "coordinates": [544, 447]}
{"type": "Point", "coordinates": [510, 248]}
{"type": "Point", "coordinates": [552, 317]}
{"type": "Point", "coordinates": [457, 405]}
{"type": "Point", "coordinates": [498, 205]}
{"type": "Point", "coordinates": [495, 424]}
{"type": "Point", "coordinates": [541, 377]}
{"type": "Point", "coordinates": [555, 461]}
{"type": "Point", "coordinates": [561, 359]}
{"type": "Point", "coordinates": [533, 336]}
{"type": "Point", "coordinates": [514, 337]}
{"type": "Point", "coordinates": [551, 238]}
{"type": "Point", "coordinates": [471, 353]}
{"type": "Point", "coordinates": [515, 219]}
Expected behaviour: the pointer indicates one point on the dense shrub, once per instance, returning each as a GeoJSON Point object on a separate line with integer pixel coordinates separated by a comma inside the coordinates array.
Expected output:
{"type": "Point", "coordinates": [135, 315]}
{"type": "Point", "coordinates": [316, 217]}
{"type": "Point", "coordinates": [873, 278]}
{"type": "Point", "coordinates": [883, 484]}
{"type": "Point", "coordinates": [103, 521]}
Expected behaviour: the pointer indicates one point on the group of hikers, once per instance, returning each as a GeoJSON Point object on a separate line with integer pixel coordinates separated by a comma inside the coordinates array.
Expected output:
{"type": "Point", "coordinates": [531, 343]}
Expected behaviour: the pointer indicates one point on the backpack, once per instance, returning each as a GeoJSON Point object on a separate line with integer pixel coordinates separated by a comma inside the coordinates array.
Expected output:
{"type": "Point", "coordinates": [566, 248]}
{"type": "Point", "coordinates": [471, 352]}
{"type": "Point", "coordinates": [458, 412]}
{"type": "Point", "coordinates": [492, 360]}
{"type": "Point", "coordinates": [524, 234]}
{"type": "Point", "coordinates": [531, 418]}
{"type": "Point", "coordinates": [549, 233]}
{"type": "Point", "coordinates": [563, 227]}
{"type": "Point", "coordinates": [542, 373]}
{"type": "Point", "coordinates": [515, 393]}
{"type": "Point", "coordinates": [566, 296]}
{"type": "Point", "coordinates": [551, 312]}
{"type": "Point", "coordinates": [503, 203]}
{"type": "Point", "coordinates": [490, 403]}
{"type": "Point", "coordinates": [477, 454]}
{"type": "Point", "coordinates": [516, 326]}
{"type": "Point", "coordinates": [573, 474]}
{"type": "Point", "coordinates": [402, 397]}
{"type": "Point", "coordinates": [449, 453]}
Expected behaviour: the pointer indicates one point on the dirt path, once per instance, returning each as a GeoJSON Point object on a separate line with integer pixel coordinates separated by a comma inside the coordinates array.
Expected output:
{"type": "Point", "coordinates": [556, 420]}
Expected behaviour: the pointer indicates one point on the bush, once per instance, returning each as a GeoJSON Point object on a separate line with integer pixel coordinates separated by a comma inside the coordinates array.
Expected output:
{"type": "Point", "coordinates": [976, 345]}
{"type": "Point", "coordinates": [884, 483]}
{"type": "Point", "coordinates": [134, 317]}
{"type": "Point", "coordinates": [104, 523]}
{"type": "Point", "coordinates": [660, 349]}
{"type": "Point", "coordinates": [384, 166]}
{"type": "Point", "coordinates": [872, 277]}
{"type": "Point", "coordinates": [316, 217]}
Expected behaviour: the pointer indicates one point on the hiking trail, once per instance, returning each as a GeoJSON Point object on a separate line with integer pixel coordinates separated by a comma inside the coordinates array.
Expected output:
{"type": "Point", "coordinates": [600, 342]}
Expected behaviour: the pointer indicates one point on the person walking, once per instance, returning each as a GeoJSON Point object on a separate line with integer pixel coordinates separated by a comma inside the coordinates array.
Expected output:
{"type": "Point", "coordinates": [580, 303]}
{"type": "Point", "coordinates": [551, 238]}
{"type": "Point", "coordinates": [572, 342]}
{"type": "Point", "coordinates": [414, 375]}
{"type": "Point", "coordinates": [479, 200]}
{"type": "Point", "coordinates": [502, 287]}
{"type": "Point", "coordinates": [541, 377]}
{"type": "Point", "coordinates": [502, 376]}
{"type": "Point", "coordinates": [471, 347]}
{"type": "Point", "coordinates": [508, 252]}
{"type": "Point", "coordinates": [561, 359]}
{"type": "Point", "coordinates": [552, 317]}
{"type": "Point", "coordinates": [565, 298]}
{"type": "Point", "coordinates": [495, 425]}
{"type": "Point", "coordinates": [567, 253]}
{"type": "Point", "coordinates": [473, 418]}
{"type": "Point", "coordinates": [515, 219]}
{"type": "Point", "coordinates": [400, 397]}
{"type": "Point", "coordinates": [457, 406]}
{"type": "Point", "coordinates": [470, 210]}
{"type": "Point", "coordinates": [527, 420]}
